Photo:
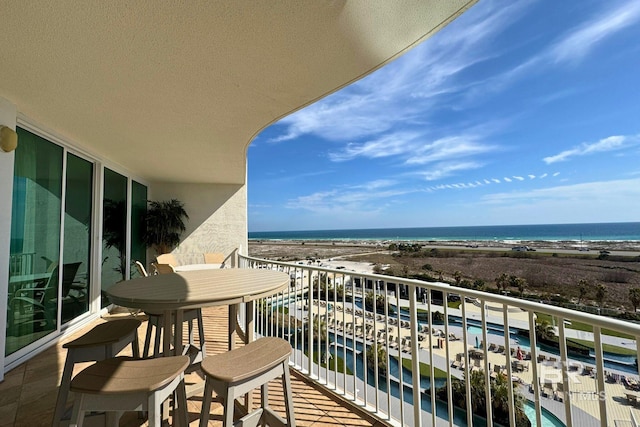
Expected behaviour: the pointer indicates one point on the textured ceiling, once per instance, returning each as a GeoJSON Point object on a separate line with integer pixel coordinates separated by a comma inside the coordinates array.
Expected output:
{"type": "Point", "coordinates": [176, 90]}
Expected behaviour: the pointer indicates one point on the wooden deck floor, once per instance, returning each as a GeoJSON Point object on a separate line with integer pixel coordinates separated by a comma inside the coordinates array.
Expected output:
{"type": "Point", "coordinates": [28, 393]}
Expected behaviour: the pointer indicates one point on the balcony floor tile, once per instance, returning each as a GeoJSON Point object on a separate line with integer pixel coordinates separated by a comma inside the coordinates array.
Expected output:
{"type": "Point", "coordinates": [28, 393]}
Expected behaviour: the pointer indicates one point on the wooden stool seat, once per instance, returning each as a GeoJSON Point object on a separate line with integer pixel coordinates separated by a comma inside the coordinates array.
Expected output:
{"type": "Point", "coordinates": [105, 334]}
{"type": "Point", "coordinates": [125, 384]}
{"type": "Point", "coordinates": [237, 372]}
{"type": "Point", "coordinates": [104, 341]}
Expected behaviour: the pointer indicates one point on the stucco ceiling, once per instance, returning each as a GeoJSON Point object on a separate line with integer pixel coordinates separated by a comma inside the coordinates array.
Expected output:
{"type": "Point", "coordinates": [176, 91]}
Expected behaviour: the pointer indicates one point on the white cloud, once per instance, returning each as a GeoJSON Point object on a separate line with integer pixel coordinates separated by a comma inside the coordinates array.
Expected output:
{"type": "Point", "coordinates": [393, 144]}
{"type": "Point", "coordinates": [531, 176]}
{"type": "Point", "coordinates": [571, 193]}
{"type": "Point", "coordinates": [611, 143]}
{"type": "Point", "coordinates": [578, 44]}
{"type": "Point", "coordinates": [497, 181]}
{"type": "Point", "coordinates": [507, 179]}
{"type": "Point", "coordinates": [445, 169]}
{"type": "Point", "coordinates": [570, 48]}
{"type": "Point", "coordinates": [569, 203]}
{"type": "Point", "coordinates": [519, 178]}
{"type": "Point", "coordinates": [378, 102]}
{"type": "Point", "coordinates": [367, 196]}
{"type": "Point", "coordinates": [454, 147]}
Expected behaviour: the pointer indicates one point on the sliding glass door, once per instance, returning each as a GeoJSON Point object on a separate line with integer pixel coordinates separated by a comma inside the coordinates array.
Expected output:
{"type": "Point", "coordinates": [78, 216]}
{"type": "Point", "coordinates": [114, 231]}
{"type": "Point", "coordinates": [54, 210]}
{"type": "Point", "coordinates": [32, 309]}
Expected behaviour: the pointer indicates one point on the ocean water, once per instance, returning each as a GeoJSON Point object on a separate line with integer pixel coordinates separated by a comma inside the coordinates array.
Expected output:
{"type": "Point", "coordinates": [621, 231]}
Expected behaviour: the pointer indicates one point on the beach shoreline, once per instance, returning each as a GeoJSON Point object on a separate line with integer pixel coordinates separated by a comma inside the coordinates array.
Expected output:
{"type": "Point", "coordinates": [592, 247]}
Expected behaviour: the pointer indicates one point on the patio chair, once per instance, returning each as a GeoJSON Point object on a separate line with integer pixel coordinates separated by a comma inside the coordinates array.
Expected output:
{"type": "Point", "coordinates": [167, 259]}
{"type": "Point", "coordinates": [156, 319]}
{"type": "Point", "coordinates": [492, 347]}
{"type": "Point", "coordinates": [214, 258]}
{"type": "Point", "coordinates": [162, 268]}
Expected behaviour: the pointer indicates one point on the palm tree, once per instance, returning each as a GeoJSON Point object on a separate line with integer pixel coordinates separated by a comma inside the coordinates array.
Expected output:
{"type": "Point", "coordinates": [502, 281]}
{"type": "Point", "coordinates": [372, 351]}
{"type": "Point", "coordinates": [165, 224]}
{"type": "Point", "coordinates": [457, 276]}
{"type": "Point", "coordinates": [583, 289]}
{"type": "Point", "coordinates": [545, 330]}
{"type": "Point", "coordinates": [521, 283]}
{"type": "Point", "coordinates": [114, 231]}
{"type": "Point", "coordinates": [601, 294]}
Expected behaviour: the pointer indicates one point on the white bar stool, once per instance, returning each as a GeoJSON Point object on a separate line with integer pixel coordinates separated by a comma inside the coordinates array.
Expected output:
{"type": "Point", "coordinates": [104, 341]}
{"type": "Point", "coordinates": [237, 372]}
{"type": "Point", "coordinates": [124, 384]}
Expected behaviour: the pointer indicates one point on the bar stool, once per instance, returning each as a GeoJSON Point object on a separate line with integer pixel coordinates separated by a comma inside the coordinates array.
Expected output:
{"type": "Point", "coordinates": [102, 342]}
{"type": "Point", "coordinates": [237, 372]}
{"type": "Point", "coordinates": [124, 384]}
{"type": "Point", "coordinates": [156, 320]}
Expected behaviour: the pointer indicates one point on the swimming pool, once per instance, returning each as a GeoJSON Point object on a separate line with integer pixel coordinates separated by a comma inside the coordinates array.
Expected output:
{"type": "Point", "coordinates": [474, 330]}
{"type": "Point", "coordinates": [548, 419]}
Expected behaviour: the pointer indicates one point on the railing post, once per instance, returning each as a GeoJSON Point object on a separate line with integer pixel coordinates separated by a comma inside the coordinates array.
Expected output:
{"type": "Point", "coordinates": [564, 371]}
{"type": "Point", "coordinates": [600, 377]}
{"type": "Point", "coordinates": [507, 333]}
{"type": "Point", "coordinates": [465, 355]}
{"type": "Point", "coordinates": [445, 310]}
{"type": "Point", "coordinates": [534, 366]}
{"type": "Point", "coordinates": [487, 377]}
{"type": "Point", "coordinates": [415, 359]}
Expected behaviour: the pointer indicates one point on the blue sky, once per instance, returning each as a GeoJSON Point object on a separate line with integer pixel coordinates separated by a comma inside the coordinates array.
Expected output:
{"type": "Point", "coordinates": [522, 112]}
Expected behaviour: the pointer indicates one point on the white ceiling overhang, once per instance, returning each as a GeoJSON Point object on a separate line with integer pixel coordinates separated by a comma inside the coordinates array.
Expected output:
{"type": "Point", "coordinates": [176, 91]}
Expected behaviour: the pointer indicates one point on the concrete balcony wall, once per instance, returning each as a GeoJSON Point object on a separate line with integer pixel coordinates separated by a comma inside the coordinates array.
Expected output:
{"type": "Point", "coordinates": [217, 217]}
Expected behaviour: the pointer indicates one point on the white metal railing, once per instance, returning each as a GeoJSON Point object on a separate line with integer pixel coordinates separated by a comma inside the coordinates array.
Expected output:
{"type": "Point", "coordinates": [334, 318]}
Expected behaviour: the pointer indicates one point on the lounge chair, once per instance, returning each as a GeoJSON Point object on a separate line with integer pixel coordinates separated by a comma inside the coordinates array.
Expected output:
{"type": "Point", "coordinates": [492, 347]}
{"type": "Point", "coordinates": [559, 395]}
{"type": "Point", "coordinates": [547, 388]}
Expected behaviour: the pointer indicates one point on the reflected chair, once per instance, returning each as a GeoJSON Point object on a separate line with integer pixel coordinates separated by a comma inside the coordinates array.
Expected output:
{"type": "Point", "coordinates": [39, 303]}
{"type": "Point", "coordinates": [156, 319]}
{"type": "Point", "coordinates": [140, 268]}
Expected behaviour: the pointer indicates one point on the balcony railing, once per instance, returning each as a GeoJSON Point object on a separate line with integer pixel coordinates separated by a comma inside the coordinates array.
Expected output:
{"type": "Point", "coordinates": [378, 340]}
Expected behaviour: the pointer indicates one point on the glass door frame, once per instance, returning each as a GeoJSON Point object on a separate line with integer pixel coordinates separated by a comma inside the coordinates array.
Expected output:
{"type": "Point", "coordinates": [95, 247]}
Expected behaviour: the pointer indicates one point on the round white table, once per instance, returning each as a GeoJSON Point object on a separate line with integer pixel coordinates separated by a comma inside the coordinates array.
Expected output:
{"type": "Point", "coordinates": [173, 293]}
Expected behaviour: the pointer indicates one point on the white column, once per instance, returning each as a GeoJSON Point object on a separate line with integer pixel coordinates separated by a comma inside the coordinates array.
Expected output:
{"type": "Point", "coordinates": [7, 118]}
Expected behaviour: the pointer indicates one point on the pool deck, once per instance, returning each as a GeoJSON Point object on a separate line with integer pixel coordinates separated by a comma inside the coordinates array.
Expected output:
{"type": "Point", "coordinates": [582, 388]}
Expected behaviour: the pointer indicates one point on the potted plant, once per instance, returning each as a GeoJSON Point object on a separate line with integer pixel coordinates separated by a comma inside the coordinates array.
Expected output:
{"type": "Point", "coordinates": [165, 224]}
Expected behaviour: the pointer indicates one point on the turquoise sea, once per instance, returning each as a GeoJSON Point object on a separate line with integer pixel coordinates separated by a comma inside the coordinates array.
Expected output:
{"type": "Point", "coordinates": [621, 231]}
